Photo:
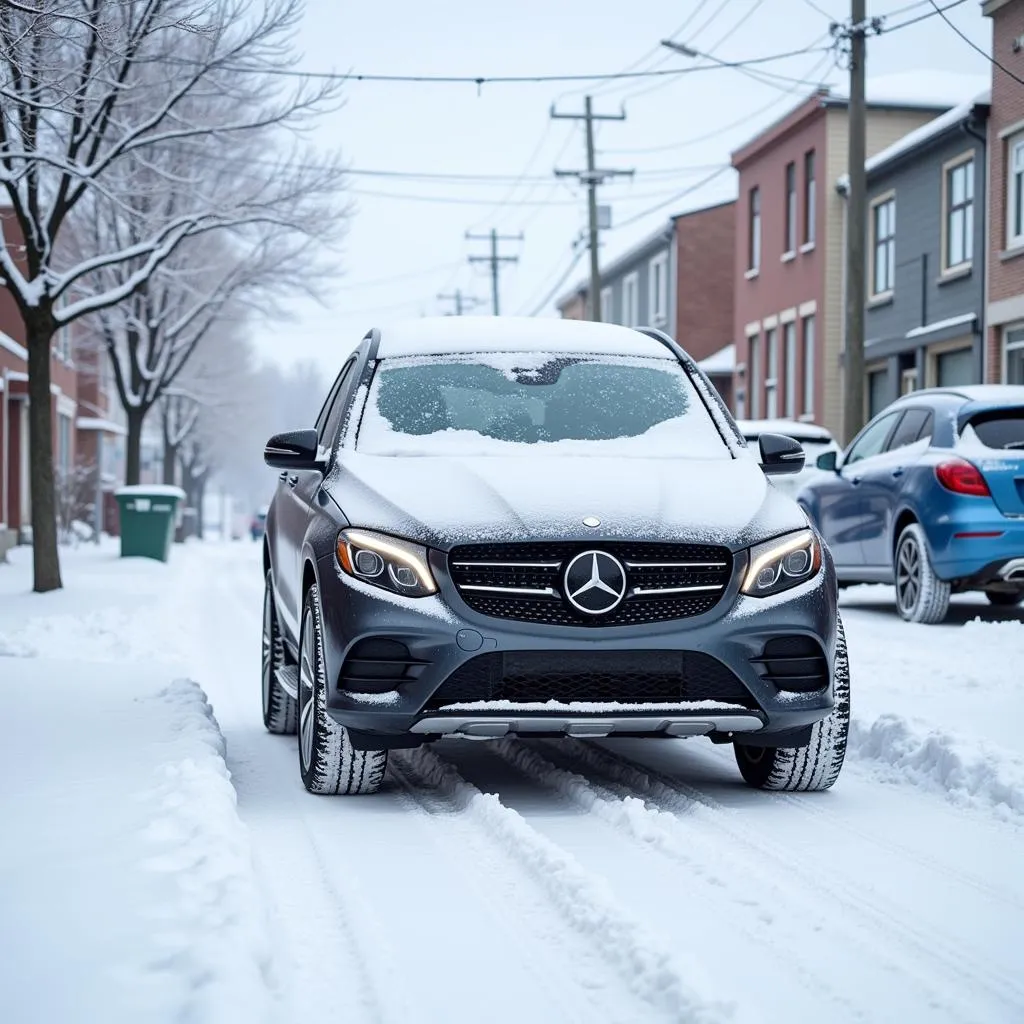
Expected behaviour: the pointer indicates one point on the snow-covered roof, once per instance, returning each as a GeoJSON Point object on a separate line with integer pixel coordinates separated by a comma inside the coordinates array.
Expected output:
{"type": "Point", "coordinates": [791, 428]}
{"type": "Point", "coordinates": [926, 89]}
{"type": "Point", "coordinates": [94, 423]}
{"type": "Point", "coordinates": [448, 335]}
{"type": "Point", "coordinates": [941, 325]}
{"type": "Point", "coordinates": [919, 136]}
{"type": "Point", "coordinates": [722, 361]}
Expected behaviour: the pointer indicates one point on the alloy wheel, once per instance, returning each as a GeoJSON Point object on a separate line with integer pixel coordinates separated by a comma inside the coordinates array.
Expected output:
{"type": "Point", "coordinates": [908, 575]}
{"type": "Point", "coordinates": [307, 692]}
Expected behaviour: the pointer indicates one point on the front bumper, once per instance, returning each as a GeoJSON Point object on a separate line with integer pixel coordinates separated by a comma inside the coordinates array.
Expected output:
{"type": "Point", "coordinates": [443, 634]}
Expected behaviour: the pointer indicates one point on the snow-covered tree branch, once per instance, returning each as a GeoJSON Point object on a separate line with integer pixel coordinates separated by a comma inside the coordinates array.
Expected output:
{"type": "Point", "coordinates": [130, 122]}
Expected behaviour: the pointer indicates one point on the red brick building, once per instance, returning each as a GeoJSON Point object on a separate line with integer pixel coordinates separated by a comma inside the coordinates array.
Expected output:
{"type": "Point", "coordinates": [1004, 350]}
{"type": "Point", "coordinates": [788, 262]}
{"type": "Point", "coordinates": [81, 407]}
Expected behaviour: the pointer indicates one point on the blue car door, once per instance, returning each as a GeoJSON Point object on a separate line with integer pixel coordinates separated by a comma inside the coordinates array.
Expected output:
{"type": "Point", "coordinates": [841, 509]}
{"type": "Point", "coordinates": [882, 479]}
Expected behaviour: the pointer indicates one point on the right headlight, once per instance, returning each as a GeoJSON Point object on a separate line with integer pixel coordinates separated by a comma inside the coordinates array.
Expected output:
{"type": "Point", "coordinates": [782, 563]}
{"type": "Point", "coordinates": [383, 561]}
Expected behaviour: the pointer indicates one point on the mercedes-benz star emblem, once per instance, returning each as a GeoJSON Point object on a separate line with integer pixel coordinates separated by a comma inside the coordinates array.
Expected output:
{"type": "Point", "coordinates": [595, 582]}
{"type": "Point", "coordinates": [592, 521]}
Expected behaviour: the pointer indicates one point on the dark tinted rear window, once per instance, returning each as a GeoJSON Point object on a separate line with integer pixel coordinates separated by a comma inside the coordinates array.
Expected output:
{"type": "Point", "coordinates": [1000, 428]}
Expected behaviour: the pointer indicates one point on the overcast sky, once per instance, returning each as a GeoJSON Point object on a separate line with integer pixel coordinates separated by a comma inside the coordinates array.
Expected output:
{"type": "Point", "coordinates": [401, 252]}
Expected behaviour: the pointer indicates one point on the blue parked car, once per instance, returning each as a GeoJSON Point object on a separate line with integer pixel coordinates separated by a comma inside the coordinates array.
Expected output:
{"type": "Point", "coordinates": [930, 497]}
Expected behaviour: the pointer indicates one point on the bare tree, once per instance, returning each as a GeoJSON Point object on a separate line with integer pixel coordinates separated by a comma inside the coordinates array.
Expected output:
{"type": "Point", "coordinates": [93, 95]}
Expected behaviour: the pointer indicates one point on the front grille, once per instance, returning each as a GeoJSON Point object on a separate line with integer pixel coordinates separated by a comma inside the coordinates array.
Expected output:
{"type": "Point", "coordinates": [376, 665]}
{"type": "Point", "coordinates": [793, 663]}
{"type": "Point", "coordinates": [525, 581]}
{"type": "Point", "coordinates": [634, 677]}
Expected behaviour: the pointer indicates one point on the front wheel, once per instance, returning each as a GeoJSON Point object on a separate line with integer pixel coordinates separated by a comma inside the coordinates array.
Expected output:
{"type": "Point", "coordinates": [280, 713]}
{"type": "Point", "coordinates": [816, 766]}
{"type": "Point", "coordinates": [920, 595]}
{"type": "Point", "coordinates": [327, 760]}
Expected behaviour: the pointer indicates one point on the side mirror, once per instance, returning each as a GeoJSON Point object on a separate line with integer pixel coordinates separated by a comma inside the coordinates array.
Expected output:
{"type": "Point", "coordinates": [827, 461]}
{"type": "Point", "coordinates": [780, 454]}
{"type": "Point", "coordinates": [294, 449]}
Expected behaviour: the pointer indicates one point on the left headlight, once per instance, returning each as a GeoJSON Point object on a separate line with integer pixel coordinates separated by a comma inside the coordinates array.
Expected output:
{"type": "Point", "coordinates": [388, 562]}
{"type": "Point", "coordinates": [782, 563]}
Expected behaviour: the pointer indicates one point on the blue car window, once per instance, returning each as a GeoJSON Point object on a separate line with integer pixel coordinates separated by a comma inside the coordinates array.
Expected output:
{"type": "Point", "coordinates": [914, 426]}
{"type": "Point", "coordinates": [872, 440]}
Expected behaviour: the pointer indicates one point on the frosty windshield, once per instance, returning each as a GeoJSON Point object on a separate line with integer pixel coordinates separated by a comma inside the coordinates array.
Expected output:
{"type": "Point", "coordinates": [497, 403]}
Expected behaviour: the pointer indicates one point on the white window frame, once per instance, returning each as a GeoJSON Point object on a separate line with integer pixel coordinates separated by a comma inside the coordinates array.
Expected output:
{"type": "Point", "coordinates": [754, 223]}
{"type": "Point", "coordinates": [1015, 191]}
{"type": "Point", "coordinates": [791, 209]}
{"type": "Point", "coordinates": [789, 367]}
{"type": "Point", "coordinates": [753, 371]}
{"type": "Point", "coordinates": [607, 304]}
{"type": "Point", "coordinates": [631, 300]}
{"type": "Point", "coordinates": [657, 298]}
{"type": "Point", "coordinates": [771, 379]}
{"type": "Point", "coordinates": [1013, 341]}
{"type": "Point", "coordinates": [908, 375]}
{"type": "Point", "coordinates": [808, 343]}
{"type": "Point", "coordinates": [889, 241]}
{"type": "Point", "coordinates": [810, 197]}
{"type": "Point", "coordinates": [967, 208]}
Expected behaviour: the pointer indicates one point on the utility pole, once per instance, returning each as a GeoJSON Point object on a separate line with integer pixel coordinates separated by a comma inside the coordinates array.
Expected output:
{"type": "Point", "coordinates": [495, 260]}
{"type": "Point", "coordinates": [459, 299]}
{"type": "Point", "coordinates": [856, 228]}
{"type": "Point", "coordinates": [592, 177]}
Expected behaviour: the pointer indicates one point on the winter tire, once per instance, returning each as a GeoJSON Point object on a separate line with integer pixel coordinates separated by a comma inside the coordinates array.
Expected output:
{"type": "Point", "coordinates": [280, 712]}
{"type": "Point", "coordinates": [920, 595]}
{"type": "Point", "coordinates": [1001, 599]}
{"type": "Point", "coordinates": [327, 760]}
{"type": "Point", "coordinates": [816, 766]}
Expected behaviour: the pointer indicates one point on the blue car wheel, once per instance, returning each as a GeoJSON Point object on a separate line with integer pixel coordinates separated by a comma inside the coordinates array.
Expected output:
{"type": "Point", "coordinates": [920, 595]}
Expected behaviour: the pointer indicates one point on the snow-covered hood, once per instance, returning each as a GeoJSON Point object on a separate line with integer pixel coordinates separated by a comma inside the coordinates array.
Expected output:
{"type": "Point", "coordinates": [442, 501]}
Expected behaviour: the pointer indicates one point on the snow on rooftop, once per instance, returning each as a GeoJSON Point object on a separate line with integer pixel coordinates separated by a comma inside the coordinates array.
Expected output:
{"type": "Point", "coordinates": [722, 361]}
{"type": "Point", "coordinates": [466, 334]}
{"type": "Point", "coordinates": [924, 88]}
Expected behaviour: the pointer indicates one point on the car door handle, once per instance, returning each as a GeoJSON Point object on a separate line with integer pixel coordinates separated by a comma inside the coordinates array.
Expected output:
{"type": "Point", "coordinates": [855, 479]}
{"type": "Point", "coordinates": [898, 472]}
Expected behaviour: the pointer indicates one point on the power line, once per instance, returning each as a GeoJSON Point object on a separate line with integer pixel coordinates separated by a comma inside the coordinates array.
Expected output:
{"type": "Point", "coordinates": [375, 282]}
{"type": "Point", "coordinates": [495, 260]}
{"type": "Point", "coordinates": [673, 199]}
{"type": "Point", "coordinates": [923, 17]}
{"type": "Point", "coordinates": [461, 301]}
{"type": "Point", "coordinates": [480, 80]}
{"type": "Point", "coordinates": [560, 283]}
{"type": "Point", "coordinates": [940, 11]}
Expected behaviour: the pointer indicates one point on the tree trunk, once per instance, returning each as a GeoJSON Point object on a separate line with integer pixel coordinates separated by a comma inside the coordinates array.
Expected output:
{"type": "Point", "coordinates": [39, 328]}
{"type": "Point", "coordinates": [133, 446]}
{"type": "Point", "coordinates": [170, 461]}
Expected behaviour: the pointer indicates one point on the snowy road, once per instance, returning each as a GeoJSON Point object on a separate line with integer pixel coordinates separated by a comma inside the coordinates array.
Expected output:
{"type": "Point", "coordinates": [510, 881]}
{"type": "Point", "coordinates": [614, 881]}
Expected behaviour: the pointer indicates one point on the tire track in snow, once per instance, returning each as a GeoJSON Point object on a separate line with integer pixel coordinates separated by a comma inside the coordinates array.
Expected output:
{"type": "Point", "coordinates": [322, 918]}
{"type": "Point", "coordinates": [631, 778]}
{"type": "Point", "coordinates": [650, 970]}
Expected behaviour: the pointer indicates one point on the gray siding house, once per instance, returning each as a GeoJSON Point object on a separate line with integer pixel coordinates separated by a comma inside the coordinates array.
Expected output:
{"type": "Point", "coordinates": [636, 289]}
{"type": "Point", "coordinates": [925, 273]}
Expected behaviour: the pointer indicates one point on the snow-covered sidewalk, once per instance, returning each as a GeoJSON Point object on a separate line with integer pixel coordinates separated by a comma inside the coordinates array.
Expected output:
{"type": "Point", "coordinates": [127, 890]}
{"type": "Point", "coordinates": [158, 866]}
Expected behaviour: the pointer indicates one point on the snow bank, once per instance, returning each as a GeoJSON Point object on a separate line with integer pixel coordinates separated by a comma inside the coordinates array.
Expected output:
{"type": "Point", "coordinates": [966, 773]}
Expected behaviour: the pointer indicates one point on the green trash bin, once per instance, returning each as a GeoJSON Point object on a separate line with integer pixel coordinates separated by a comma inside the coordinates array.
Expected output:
{"type": "Point", "coordinates": [147, 520]}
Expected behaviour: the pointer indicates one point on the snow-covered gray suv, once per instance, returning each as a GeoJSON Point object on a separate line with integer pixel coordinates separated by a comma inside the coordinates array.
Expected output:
{"type": "Point", "coordinates": [542, 528]}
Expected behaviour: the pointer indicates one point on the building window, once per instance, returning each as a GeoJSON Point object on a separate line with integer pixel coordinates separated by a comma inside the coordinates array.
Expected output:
{"type": "Point", "coordinates": [741, 404]}
{"type": "Point", "coordinates": [754, 231]}
{"type": "Point", "coordinates": [753, 377]}
{"type": "Point", "coordinates": [1015, 193]}
{"type": "Point", "coordinates": [908, 380]}
{"type": "Point", "coordinates": [883, 245]}
{"type": "Point", "coordinates": [631, 300]}
{"type": "Point", "coordinates": [771, 380]}
{"type": "Point", "coordinates": [658, 272]}
{"type": "Point", "coordinates": [607, 313]}
{"type": "Point", "coordinates": [63, 444]}
{"type": "Point", "coordinates": [954, 369]}
{"type": "Point", "coordinates": [809, 365]}
{"type": "Point", "coordinates": [810, 209]}
{"type": "Point", "coordinates": [1013, 369]}
{"type": "Point", "coordinates": [789, 357]}
{"type": "Point", "coordinates": [958, 194]}
{"type": "Point", "coordinates": [878, 381]}
{"type": "Point", "coordinates": [790, 207]}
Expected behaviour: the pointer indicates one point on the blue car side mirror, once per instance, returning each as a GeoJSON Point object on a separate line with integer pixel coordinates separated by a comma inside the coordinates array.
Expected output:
{"type": "Point", "coordinates": [827, 461]}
